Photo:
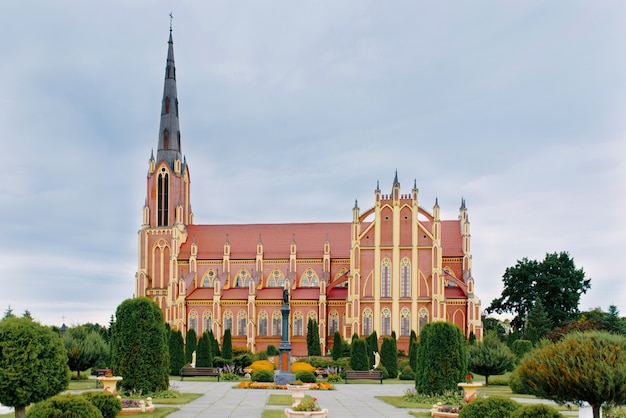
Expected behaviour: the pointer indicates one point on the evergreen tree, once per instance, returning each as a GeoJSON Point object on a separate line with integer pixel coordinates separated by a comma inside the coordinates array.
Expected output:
{"type": "Point", "coordinates": [358, 355]}
{"type": "Point", "coordinates": [372, 347]}
{"type": "Point", "coordinates": [227, 345]}
{"type": "Point", "coordinates": [589, 366]}
{"type": "Point", "coordinates": [337, 349]}
{"type": "Point", "coordinates": [204, 356]}
{"type": "Point", "coordinates": [215, 344]}
{"type": "Point", "coordinates": [413, 350]}
{"type": "Point", "coordinates": [612, 321]}
{"type": "Point", "coordinates": [538, 323]}
{"type": "Point", "coordinates": [84, 348]}
{"type": "Point", "coordinates": [139, 346]}
{"type": "Point", "coordinates": [489, 357]}
{"type": "Point", "coordinates": [441, 358]}
{"type": "Point", "coordinates": [191, 344]}
{"type": "Point", "coordinates": [389, 356]}
{"type": "Point", "coordinates": [177, 352]}
{"type": "Point", "coordinates": [313, 338]}
{"type": "Point", "coordinates": [33, 363]}
{"type": "Point", "coordinates": [471, 340]}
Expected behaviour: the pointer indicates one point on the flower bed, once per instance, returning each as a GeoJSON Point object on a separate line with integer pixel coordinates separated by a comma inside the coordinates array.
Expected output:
{"type": "Point", "coordinates": [132, 406]}
{"type": "Point", "coordinates": [445, 411]}
{"type": "Point", "coordinates": [262, 385]}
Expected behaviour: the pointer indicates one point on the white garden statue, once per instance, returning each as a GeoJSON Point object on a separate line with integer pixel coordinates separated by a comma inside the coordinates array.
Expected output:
{"type": "Point", "coordinates": [376, 359]}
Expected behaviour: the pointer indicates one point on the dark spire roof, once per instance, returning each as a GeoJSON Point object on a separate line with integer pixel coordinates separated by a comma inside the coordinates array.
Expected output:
{"type": "Point", "coordinates": [169, 148]}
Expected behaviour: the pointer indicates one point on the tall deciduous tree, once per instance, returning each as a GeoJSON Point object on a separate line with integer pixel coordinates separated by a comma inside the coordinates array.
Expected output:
{"type": "Point", "coordinates": [139, 349]}
{"type": "Point", "coordinates": [84, 348]}
{"type": "Point", "coordinates": [33, 363]}
{"type": "Point", "coordinates": [441, 358]}
{"type": "Point", "coordinates": [588, 367]}
{"type": "Point", "coordinates": [489, 357]}
{"type": "Point", "coordinates": [555, 281]}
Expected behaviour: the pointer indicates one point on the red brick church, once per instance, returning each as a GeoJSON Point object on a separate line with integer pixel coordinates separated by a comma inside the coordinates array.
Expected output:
{"type": "Point", "coordinates": [392, 267]}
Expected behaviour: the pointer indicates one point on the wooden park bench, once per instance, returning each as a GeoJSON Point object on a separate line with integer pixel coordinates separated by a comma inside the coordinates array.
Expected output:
{"type": "Point", "coordinates": [199, 371]}
{"type": "Point", "coordinates": [364, 374]}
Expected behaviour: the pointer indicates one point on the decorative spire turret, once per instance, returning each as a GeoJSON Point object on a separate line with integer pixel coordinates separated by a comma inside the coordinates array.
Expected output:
{"type": "Point", "coordinates": [169, 148]}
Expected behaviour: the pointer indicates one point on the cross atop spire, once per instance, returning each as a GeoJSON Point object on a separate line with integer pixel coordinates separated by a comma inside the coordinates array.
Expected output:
{"type": "Point", "coordinates": [171, 18]}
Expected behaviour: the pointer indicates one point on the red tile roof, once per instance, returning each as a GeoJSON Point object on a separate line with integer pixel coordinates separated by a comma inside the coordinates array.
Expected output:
{"type": "Point", "coordinates": [235, 294]}
{"type": "Point", "coordinates": [454, 292]}
{"type": "Point", "coordinates": [306, 293]}
{"type": "Point", "coordinates": [270, 293]}
{"type": "Point", "coordinates": [338, 293]}
{"type": "Point", "coordinates": [201, 293]}
{"type": "Point", "coordinates": [276, 239]}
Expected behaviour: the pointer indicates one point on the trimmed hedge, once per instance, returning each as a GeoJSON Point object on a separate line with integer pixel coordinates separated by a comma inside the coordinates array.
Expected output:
{"type": "Point", "coordinates": [536, 411]}
{"type": "Point", "coordinates": [492, 407]}
{"type": "Point", "coordinates": [64, 406]}
{"type": "Point", "coordinates": [262, 365]}
{"type": "Point", "coordinates": [262, 376]}
{"type": "Point", "coordinates": [106, 402]}
{"type": "Point", "coordinates": [301, 366]}
{"type": "Point", "coordinates": [306, 377]}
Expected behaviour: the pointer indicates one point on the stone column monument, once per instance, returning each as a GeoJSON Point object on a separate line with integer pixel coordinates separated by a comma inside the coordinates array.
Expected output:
{"type": "Point", "coordinates": [284, 375]}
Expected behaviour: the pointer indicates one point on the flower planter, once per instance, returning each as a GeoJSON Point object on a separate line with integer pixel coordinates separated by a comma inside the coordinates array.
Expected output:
{"type": "Point", "coordinates": [297, 393]}
{"type": "Point", "coordinates": [469, 390]}
{"type": "Point", "coordinates": [144, 406]}
{"type": "Point", "coordinates": [109, 383]}
{"type": "Point", "coordinates": [436, 412]}
{"type": "Point", "coordinates": [306, 414]}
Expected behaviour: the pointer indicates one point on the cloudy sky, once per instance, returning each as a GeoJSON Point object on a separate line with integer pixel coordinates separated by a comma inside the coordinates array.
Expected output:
{"type": "Point", "coordinates": [291, 110]}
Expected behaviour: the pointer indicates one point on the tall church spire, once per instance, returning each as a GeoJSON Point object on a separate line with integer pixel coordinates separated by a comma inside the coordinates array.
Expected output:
{"type": "Point", "coordinates": [169, 148]}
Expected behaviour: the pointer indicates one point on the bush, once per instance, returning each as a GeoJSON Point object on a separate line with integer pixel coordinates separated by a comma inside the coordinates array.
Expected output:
{"type": "Point", "coordinates": [221, 362]}
{"type": "Point", "coordinates": [272, 350]}
{"type": "Point", "coordinates": [64, 406]}
{"type": "Point", "coordinates": [384, 370]}
{"type": "Point", "coordinates": [261, 355]}
{"type": "Point", "coordinates": [498, 381]}
{"type": "Point", "coordinates": [334, 378]}
{"type": "Point", "coordinates": [300, 365]}
{"type": "Point", "coordinates": [243, 360]}
{"type": "Point", "coordinates": [229, 377]}
{"type": "Point", "coordinates": [536, 411]}
{"type": "Point", "coordinates": [107, 403]}
{"type": "Point", "coordinates": [516, 385]}
{"type": "Point", "coordinates": [306, 377]}
{"type": "Point", "coordinates": [521, 347]}
{"type": "Point", "coordinates": [262, 375]}
{"type": "Point", "coordinates": [492, 407]}
{"type": "Point", "coordinates": [262, 365]}
{"type": "Point", "coordinates": [407, 373]}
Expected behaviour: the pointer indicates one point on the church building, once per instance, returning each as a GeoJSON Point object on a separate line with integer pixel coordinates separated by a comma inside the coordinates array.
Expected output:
{"type": "Point", "coordinates": [392, 267]}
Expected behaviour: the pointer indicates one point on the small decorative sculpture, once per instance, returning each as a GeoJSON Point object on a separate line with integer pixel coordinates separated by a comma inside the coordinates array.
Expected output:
{"type": "Point", "coordinates": [193, 359]}
{"type": "Point", "coordinates": [376, 359]}
{"type": "Point", "coordinates": [285, 296]}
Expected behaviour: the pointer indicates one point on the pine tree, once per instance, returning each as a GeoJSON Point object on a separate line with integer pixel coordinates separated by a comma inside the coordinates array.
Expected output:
{"type": "Point", "coordinates": [612, 321]}
{"type": "Point", "coordinates": [490, 356]}
{"type": "Point", "coordinates": [389, 356]}
{"type": "Point", "coordinates": [215, 344]}
{"type": "Point", "coordinates": [313, 338]}
{"type": "Point", "coordinates": [538, 323]}
{"type": "Point", "coordinates": [191, 344]}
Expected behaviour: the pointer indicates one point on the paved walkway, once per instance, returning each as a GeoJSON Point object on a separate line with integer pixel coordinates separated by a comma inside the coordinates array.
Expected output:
{"type": "Point", "coordinates": [351, 400]}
